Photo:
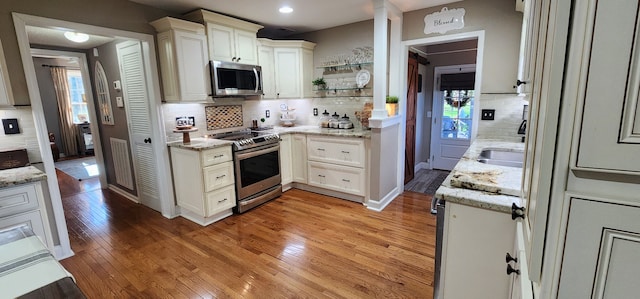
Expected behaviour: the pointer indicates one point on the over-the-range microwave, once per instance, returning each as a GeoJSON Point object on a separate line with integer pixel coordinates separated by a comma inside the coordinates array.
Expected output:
{"type": "Point", "coordinates": [235, 79]}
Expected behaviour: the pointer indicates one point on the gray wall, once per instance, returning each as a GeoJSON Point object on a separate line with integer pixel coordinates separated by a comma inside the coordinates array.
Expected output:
{"type": "Point", "coordinates": [108, 57]}
{"type": "Point", "coordinates": [49, 99]}
{"type": "Point", "coordinates": [117, 14]}
{"type": "Point", "coordinates": [502, 25]}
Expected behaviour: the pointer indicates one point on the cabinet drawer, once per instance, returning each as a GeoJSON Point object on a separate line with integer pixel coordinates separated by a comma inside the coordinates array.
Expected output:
{"type": "Point", "coordinates": [216, 155]}
{"type": "Point", "coordinates": [220, 200]}
{"type": "Point", "coordinates": [33, 219]}
{"type": "Point", "coordinates": [341, 151]}
{"type": "Point", "coordinates": [18, 199]}
{"type": "Point", "coordinates": [217, 176]}
{"type": "Point", "coordinates": [335, 177]}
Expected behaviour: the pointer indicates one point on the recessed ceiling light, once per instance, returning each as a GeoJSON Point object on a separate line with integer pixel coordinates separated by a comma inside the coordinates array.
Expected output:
{"type": "Point", "coordinates": [76, 36]}
{"type": "Point", "coordinates": [286, 9]}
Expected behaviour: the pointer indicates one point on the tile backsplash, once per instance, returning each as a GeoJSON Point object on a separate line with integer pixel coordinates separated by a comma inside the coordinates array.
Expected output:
{"type": "Point", "coordinates": [508, 116]}
{"type": "Point", "coordinates": [222, 117]}
{"type": "Point", "coordinates": [27, 137]}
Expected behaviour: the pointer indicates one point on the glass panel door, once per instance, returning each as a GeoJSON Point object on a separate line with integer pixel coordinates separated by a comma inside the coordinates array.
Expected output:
{"type": "Point", "coordinates": [456, 115]}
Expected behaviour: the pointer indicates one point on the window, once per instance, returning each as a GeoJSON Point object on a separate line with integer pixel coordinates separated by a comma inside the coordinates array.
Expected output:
{"type": "Point", "coordinates": [104, 99]}
{"type": "Point", "coordinates": [456, 114]}
{"type": "Point", "coordinates": [77, 97]}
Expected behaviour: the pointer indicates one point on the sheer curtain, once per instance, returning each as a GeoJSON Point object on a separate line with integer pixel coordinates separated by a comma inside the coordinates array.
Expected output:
{"type": "Point", "coordinates": [67, 127]}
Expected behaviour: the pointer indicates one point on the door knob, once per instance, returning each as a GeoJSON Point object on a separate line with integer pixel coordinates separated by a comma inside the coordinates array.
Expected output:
{"type": "Point", "coordinates": [147, 140]}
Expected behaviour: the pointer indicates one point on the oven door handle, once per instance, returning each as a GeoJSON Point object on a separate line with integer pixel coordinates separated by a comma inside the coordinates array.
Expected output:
{"type": "Point", "coordinates": [256, 153]}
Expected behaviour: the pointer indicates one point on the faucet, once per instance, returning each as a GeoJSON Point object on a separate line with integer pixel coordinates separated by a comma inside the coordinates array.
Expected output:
{"type": "Point", "coordinates": [522, 129]}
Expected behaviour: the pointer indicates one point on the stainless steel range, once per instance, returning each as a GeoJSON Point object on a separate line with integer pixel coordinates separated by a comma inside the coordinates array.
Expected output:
{"type": "Point", "coordinates": [256, 156]}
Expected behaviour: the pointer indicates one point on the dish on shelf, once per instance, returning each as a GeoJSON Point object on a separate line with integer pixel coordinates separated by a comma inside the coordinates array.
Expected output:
{"type": "Point", "coordinates": [362, 78]}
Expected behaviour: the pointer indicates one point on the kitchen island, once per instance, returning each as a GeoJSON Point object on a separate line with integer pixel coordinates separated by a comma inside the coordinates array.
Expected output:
{"type": "Point", "coordinates": [477, 227]}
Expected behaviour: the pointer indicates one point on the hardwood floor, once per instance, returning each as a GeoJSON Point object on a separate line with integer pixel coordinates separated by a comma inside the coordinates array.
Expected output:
{"type": "Point", "coordinates": [301, 245]}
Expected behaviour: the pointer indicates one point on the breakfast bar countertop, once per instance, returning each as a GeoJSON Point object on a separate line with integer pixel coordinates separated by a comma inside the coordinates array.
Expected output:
{"type": "Point", "coordinates": [315, 130]}
{"type": "Point", "coordinates": [482, 185]}
{"type": "Point", "coordinates": [20, 175]}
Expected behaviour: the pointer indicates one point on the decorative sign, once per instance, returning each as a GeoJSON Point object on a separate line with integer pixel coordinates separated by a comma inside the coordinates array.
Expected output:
{"type": "Point", "coordinates": [444, 20]}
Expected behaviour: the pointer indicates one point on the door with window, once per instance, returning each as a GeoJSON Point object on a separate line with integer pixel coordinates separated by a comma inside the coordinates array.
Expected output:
{"type": "Point", "coordinates": [453, 104]}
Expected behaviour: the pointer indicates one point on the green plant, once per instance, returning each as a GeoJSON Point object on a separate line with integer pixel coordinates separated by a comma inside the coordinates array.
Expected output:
{"type": "Point", "coordinates": [319, 81]}
{"type": "Point", "coordinates": [392, 100]}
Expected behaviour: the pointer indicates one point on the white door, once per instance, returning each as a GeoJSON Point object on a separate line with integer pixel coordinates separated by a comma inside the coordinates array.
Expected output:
{"type": "Point", "coordinates": [452, 116]}
{"type": "Point", "coordinates": [138, 110]}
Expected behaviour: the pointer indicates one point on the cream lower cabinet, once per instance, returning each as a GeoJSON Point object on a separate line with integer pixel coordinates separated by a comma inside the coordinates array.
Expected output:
{"type": "Point", "coordinates": [286, 171]}
{"type": "Point", "coordinates": [299, 158]}
{"type": "Point", "coordinates": [337, 164]}
{"type": "Point", "coordinates": [24, 204]}
{"type": "Point", "coordinates": [475, 242]}
{"type": "Point", "coordinates": [521, 286]}
{"type": "Point", "coordinates": [204, 183]}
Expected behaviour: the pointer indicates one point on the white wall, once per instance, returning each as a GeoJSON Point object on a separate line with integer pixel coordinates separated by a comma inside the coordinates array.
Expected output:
{"type": "Point", "coordinates": [27, 137]}
{"type": "Point", "coordinates": [508, 117]}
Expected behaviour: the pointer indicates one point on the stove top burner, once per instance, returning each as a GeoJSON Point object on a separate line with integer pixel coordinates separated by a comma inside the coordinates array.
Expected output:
{"type": "Point", "coordinates": [247, 139]}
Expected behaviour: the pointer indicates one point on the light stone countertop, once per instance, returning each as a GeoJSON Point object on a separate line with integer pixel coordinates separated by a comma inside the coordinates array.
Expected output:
{"type": "Point", "coordinates": [201, 144]}
{"type": "Point", "coordinates": [21, 175]}
{"type": "Point", "coordinates": [482, 185]}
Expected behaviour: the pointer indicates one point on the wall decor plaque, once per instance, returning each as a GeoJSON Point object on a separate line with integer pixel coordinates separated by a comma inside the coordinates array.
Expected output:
{"type": "Point", "coordinates": [444, 20]}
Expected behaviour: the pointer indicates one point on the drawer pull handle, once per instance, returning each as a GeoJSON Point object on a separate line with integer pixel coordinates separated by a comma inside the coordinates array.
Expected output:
{"type": "Point", "coordinates": [218, 156]}
{"type": "Point", "coordinates": [512, 270]}
{"type": "Point", "coordinates": [345, 152]}
{"type": "Point", "coordinates": [221, 201]}
{"type": "Point", "coordinates": [509, 258]}
{"type": "Point", "coordinates": [345, 180]}
{"type": "Point", "coordinates": [221, 176]}
{"type": "Point", "coordinates": [321, 149]}
{"type": "Point", "coordinates": [322, 176]}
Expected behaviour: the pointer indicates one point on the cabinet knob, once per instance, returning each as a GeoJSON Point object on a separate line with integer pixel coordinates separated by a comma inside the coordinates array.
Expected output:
{"type": "Point", "coordinates": [509, 258]}
{"type": "Point", "coordinates": [147, 140]}
{"type": "Point", "coordinates": [233, 59]}
{"type": "Point", "coordinates": [516, 211]}
{"type": "Point", "coordinates": [238, 59]}
{"type": "Point", "coordinates": [518, 83]}
{"type": "Point", "coordinates": [512, 270]}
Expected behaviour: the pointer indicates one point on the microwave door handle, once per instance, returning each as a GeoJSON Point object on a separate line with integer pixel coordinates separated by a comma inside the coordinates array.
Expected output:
{"type": "Point", "coordinates": [257, 80]}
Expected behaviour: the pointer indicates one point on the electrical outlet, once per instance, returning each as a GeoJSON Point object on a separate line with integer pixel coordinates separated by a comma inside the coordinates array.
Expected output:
{"type": "Point", "coordinates": [267, 114]}
{"type": "Point", "coordinates": [488, 114]}
{"type": "Point", "coordinates": [315, 111]}
{"type": "Point", "coordinates": [10, 126]}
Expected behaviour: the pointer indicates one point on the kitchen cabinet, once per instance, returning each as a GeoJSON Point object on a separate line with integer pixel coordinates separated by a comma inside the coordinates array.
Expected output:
{"type": "Point", "coordinates": [6, 96]}
{"type": "Point", "coordinates": [24, 204]}
{"type": "Point", "coordinates": [182, 50]}
{"type": "Point", "coordinates": [204, 183]}
{"type": "Point", "coordinates": [475, 241]}
{"type": "Point", "coordinates": [292, 68]}
{"type": "Point", "coordinates": [299, 158]}
{"type": "Point", "coordinates": [337, 164]}
{"type": "Point", "coordinates": [520, 285]}
{"type": "Point", "coordinates": [286, 170]}
{"type": "Point", "coordinates": [529, 39]}
{"type": "Point", "coordinates": [229, 39]}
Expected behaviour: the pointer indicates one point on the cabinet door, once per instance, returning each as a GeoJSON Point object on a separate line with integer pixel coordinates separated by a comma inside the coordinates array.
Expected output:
{"type": "Point", "coordinates": [610, 132]}
{"type": "Point", "coordinates": [221, 42]}
{"type": "Point", "coordinates": [246, 47]}
{"type": "Point", "coordinates": [265, 55]}
{"type": "Point", "coordinates": [285, 160]}
{"type": "Point", "coordinates": [531, 20]}
{"type": "Point", "coordinates": [18, 199]}
{"type": "Point", "coordinates": [32, 219]}
{"type": "Point", "coordinates": [6, 96]}
{"type": "Point", "coordinates": [299, 158]}
{"type": "Point", "coordinates": [193, 65]}
{"type": "Point", "coordinates": [602, 251]}
{"type": "Point", "coordinates": [288, 76]}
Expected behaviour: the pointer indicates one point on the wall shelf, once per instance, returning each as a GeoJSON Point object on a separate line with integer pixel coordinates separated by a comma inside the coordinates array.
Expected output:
{"type": "Point", "coordinates": [344, 66]}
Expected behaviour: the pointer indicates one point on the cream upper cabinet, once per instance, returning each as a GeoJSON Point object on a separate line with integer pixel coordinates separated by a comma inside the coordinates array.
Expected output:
{"type": "Point", "coordinates": [6, 96]}
{"type": "Point", "coordinates": [528, 44]}
{"type": "Point", "coordinates": [265, 60]}
{"type": "Point", "coordinates": [182, 49]}
{"type": "Point", "coordinates": [292, 71]}
{"type": "Point", "coordinates": [229, 39]}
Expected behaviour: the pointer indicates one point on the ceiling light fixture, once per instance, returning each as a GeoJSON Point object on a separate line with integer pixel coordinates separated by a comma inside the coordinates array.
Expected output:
{"type": "Point", "coordinates": [285, 9]}
{"type": "Point", "coordinates": [76, 36]}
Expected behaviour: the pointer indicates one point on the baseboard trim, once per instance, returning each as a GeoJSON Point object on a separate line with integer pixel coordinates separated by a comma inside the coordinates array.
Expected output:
{"type": "Point", "coordinates": [422, 165]}
{"type": "Point", "coordinates": [62, 253]}
{"type": "Point", "coordinates": [379, 205]}
{"type": "Point", "coordinates": [125, 194]}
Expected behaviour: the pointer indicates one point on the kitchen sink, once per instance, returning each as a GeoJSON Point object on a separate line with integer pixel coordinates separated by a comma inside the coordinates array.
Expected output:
{"type": "Point", "coordinates": [502, 157]}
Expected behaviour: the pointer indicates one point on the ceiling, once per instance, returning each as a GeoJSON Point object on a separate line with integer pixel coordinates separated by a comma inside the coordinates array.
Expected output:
{"type": "Point", "coordinates": [307, 15]}
{"type": "Point", "coordinates": [55, 37]}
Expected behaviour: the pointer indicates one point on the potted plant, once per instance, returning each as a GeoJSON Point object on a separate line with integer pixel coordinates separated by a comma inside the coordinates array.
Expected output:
{"type": "Point", "coordinates": [319, 83]}
{"type": "Point", "coordinates": [392, 105]}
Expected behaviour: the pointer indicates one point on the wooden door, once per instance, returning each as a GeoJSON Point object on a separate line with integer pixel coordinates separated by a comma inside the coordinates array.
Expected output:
{"type": "Point", "coordinates": [410, 141]}
{"type": "Point", "coordinates": [137, 105]}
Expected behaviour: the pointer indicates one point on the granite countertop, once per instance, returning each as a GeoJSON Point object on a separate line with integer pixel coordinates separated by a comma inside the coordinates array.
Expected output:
{"type": "Point", "coordinates": [482, 185]}
{"type": "Point", "coordinates": [315, 130]}
{"type": "Point", "coordinates": [201, 143]}
{"type": "Point", "coordinates": [20, 175]}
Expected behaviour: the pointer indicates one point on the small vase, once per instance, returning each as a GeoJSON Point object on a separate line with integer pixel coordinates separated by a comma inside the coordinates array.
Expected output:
{"type": "Point", "coordinates": [392, 109]}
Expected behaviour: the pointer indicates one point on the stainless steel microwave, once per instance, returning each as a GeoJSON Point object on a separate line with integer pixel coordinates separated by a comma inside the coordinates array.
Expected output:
{"type": "Point", "coordinates": [235, 79]}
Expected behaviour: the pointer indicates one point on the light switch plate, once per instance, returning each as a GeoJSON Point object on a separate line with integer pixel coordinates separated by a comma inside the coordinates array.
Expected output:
{"type": "Point", "coordinates": [488, 114]}
{"type": "Point", "coordinates": [119, 102]}
{"type": "Point", "coordinates": [10, 126]}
